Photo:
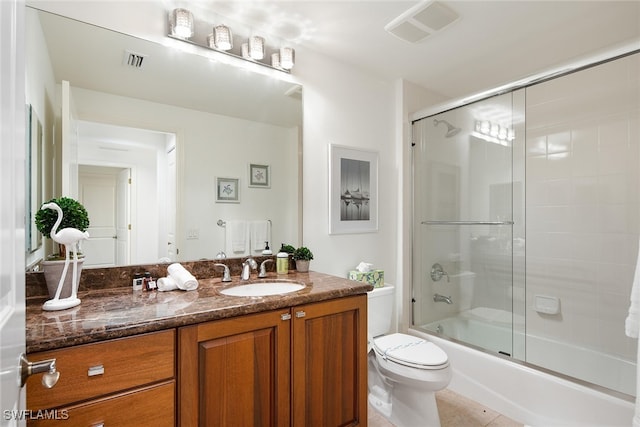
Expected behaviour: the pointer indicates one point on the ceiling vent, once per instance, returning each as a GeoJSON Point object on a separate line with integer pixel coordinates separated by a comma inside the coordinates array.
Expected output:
{"type": "Point", "coordinates": [133, 59]}
{"type": "Point", "coordinates": [421, 21]}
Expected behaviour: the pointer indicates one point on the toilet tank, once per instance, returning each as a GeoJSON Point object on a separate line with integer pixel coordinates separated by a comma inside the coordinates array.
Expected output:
{"type": "Point", "coordinates": [380, 310]}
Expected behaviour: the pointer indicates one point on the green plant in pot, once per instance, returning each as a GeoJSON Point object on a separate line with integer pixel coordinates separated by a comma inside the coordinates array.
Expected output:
{"type": "Point", "coordinates": [58, 219]}
{"type": "Point", "coordinates": [290, 250]}
{"type": "Point", "coordinates": [303, 257]}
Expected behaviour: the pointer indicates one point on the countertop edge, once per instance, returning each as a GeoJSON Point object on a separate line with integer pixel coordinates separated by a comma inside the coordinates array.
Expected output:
{"type": "Point", "coordinates": [68, 328]}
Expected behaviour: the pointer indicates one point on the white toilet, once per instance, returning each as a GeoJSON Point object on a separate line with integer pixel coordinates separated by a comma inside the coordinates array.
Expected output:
{"type": "Point", "coordinates": [404, 371]}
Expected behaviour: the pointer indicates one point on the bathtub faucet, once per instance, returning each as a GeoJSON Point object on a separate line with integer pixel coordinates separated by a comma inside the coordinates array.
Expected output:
{"type": "Point", "coordinates": [442, 298]}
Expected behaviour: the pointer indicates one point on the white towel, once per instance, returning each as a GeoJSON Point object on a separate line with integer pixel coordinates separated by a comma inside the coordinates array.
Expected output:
{"type": "Point", "coordinates": [260, 233]}
{"type": "Point", "coordinates": [167, 284]}
{"type": "Point", "coordinates": [631, 327]}
{"type": "Point", "coordinates": [237, 236]}
{"type": "Point", "coordinates": [184, 280]}
{"type": "Point", "coordinates": [632, 323]}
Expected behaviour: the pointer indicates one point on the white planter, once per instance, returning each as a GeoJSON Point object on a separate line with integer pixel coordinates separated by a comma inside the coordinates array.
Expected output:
{"type": "Point", "coordinates": [53, 272]}
{"type": "Point", "coordinates": [302, 265]}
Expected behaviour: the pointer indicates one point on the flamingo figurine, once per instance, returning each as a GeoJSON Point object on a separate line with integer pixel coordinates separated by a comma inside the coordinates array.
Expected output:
{"type": "Point", "coordinates": [70, 238]}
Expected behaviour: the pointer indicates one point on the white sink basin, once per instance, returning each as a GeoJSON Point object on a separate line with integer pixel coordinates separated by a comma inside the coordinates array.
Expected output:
{"type": "Point", "coordinates": [262, 289]}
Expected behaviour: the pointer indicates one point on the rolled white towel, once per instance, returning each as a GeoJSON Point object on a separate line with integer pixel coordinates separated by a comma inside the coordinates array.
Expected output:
{"type": "Point", "coordinates": [185, 280]}
{"type": "Point", "coordinates": [167, 284]}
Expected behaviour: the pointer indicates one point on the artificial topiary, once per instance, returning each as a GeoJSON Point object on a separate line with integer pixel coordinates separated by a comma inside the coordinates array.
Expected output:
{"type": "Point", "coordinates": [74, 215]}
{"type": "Point", "coordinates": [302, 253]}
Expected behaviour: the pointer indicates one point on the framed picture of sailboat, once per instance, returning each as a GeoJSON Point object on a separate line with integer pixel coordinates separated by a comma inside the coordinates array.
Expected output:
{"type": "Point", "coordinates": [353, 190]}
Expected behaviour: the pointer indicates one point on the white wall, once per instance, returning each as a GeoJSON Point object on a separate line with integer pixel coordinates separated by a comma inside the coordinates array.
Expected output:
{"type": "Point", "coordinates": [346, 107]}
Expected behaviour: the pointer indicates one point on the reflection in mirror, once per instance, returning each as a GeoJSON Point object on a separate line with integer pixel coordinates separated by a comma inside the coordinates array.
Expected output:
{"type": "Point", "coordinates": [172, 128]}
{"type": "Point", "coordinates": [34, 178]}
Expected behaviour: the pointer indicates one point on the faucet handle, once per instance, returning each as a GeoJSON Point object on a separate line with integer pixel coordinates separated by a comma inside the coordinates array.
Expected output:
{"type": "Point", "coordinates": [263, 268]}
{"type": "Point", "coordinates": [437, 272]}
{"type": "Point", "coordinates": [251, 262]}
{"type": "Point", "coordinates": [226, 276]}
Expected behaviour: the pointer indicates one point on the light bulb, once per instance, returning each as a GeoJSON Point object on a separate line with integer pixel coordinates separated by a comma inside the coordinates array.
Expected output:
{"type": "Point", "coordinates": [181, 23]}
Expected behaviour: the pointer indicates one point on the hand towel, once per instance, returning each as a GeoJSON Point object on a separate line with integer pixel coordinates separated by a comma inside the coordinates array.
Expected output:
{"type": "Point", "coordinates": [184, 280]}
{"type": "Point", "coordinates": [631, 327]}
{"type": "Point", "coordinates": [259, 234]}
{"type": "Point", "coordinates": [167, 284]}
{"type": "Point", "coordinates": [237, 236]}
{"type": "Point", "coordinates": [632, 323]}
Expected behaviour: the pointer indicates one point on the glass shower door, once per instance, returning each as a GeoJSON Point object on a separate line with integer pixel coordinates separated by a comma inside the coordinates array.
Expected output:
{"type": "Point", "coordinates": [464, 243]}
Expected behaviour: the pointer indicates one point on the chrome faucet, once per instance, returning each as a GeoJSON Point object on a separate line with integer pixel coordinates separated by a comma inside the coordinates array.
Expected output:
{"type": "Point", "coordinates": [263, 268]}
{"type": "Point", "coordinates": [248, 265]}
{"type": "Point", "coordinates": [442, 298]}
{"type": "Point", "coordinates": [226, 276]}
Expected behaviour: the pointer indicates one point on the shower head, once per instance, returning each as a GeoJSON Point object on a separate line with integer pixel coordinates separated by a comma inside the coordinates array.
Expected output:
{"type": "Point", "coordinates": [451, 130]}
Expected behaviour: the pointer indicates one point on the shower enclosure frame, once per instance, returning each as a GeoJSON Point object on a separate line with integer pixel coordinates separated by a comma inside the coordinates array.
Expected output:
{"type": "Point", "coordinates": [512, 88]}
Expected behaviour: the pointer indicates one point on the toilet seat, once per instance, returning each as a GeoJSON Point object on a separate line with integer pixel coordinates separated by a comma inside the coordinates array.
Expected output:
{"type": "Point", "coordinates": [410, 351]}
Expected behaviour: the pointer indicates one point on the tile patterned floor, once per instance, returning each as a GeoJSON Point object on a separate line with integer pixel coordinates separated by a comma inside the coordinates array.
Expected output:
{"type": "Point", "coordinates": [456, 411]}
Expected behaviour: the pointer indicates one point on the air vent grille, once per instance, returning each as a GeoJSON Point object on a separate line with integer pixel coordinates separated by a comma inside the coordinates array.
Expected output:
{"type": "Point", "coordinates": [421, 21]}
{"type": "Point", "coordinates": [133, 59]}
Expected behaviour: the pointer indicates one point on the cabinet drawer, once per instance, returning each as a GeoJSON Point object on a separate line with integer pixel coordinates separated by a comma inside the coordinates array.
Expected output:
{"type": "Point", "coordinates": [93, 370]}
{"type": "Point", "coordinates": [150, 406]}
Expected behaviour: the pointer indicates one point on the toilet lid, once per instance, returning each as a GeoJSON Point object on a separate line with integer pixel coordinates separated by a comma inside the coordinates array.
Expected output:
{"type": "Point", "coordinates": [410, 351]}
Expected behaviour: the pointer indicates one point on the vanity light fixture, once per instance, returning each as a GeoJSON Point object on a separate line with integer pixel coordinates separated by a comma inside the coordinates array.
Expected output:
{"type": "Point", "coordinates": [287, 57]}
{"type": "Point", "coordinates": [256, 47]}
{"type": "Point", "coordinates": [181, 23]}
{"type": "Point", "coordinates": [222, 38]}
{"type": "Point", "coordinates": [245, 51]}
{"type": "Point", "coordinates": [275, 60]}
{"type": "Point", "coordinates": [183, 27]}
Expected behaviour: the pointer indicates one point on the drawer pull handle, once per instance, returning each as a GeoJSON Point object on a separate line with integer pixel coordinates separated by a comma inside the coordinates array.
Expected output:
{"type": "Point", "coordinates": [285, 316]}
{"type": "Point", "coordinates": [300, 314]}
{"type": "Point", "coordinates": [95, 370]}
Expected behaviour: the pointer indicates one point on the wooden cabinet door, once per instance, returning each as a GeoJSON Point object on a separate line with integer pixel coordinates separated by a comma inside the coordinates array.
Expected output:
{"type": "Point", "coordinates": [330, 363]}
{"type": "Point", "coordinates": [236, 371]}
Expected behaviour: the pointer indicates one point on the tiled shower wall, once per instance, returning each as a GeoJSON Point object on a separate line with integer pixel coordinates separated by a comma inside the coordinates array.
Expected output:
{"type": "Point", "coordinates": [582, 204]}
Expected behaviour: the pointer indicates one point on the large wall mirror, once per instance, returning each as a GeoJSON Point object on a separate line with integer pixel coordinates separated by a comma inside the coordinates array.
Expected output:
{"type": "Point", "coordinates": [143, 134]}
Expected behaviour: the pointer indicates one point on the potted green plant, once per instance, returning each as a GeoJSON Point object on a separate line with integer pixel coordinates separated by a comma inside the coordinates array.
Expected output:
{"type": "Point", "coordinates": [303, 257]}
{"type": "Point", "coordinates": [290, 250]}
{"type": "Point", "coordinates": [73, 215]}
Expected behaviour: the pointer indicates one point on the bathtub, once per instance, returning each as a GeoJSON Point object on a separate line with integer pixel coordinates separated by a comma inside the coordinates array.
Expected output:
{"type": "Point", "coordinates": [523, 393]}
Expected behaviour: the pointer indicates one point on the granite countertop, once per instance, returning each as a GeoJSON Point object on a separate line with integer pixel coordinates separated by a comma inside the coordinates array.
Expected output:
{"type": "Point", "coordinates": [120, 312]}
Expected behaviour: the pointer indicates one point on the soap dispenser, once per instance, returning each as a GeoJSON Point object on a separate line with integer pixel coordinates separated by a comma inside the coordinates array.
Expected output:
{"type": "Point", "coordinates": [267, 250]}
{"type": "Point", "coordinates": [282, 261]}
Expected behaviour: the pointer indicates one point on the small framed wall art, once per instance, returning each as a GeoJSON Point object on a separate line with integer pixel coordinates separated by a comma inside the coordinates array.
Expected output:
{"type": "Point", "coordinates": [259, 176]}
{"type": "Point", "coordinates": [353, 190]}
{"type": "Point", "coordinates": [227, 190]}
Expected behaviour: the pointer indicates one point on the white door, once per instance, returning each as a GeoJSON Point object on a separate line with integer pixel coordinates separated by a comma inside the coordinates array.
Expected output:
{"type": "Point", "coordinates": [97, 188]}
{"type": "Point", "coordinates": [69, 172]}
{"type": "Point", "coordinates": [123, 217]}
{"type": "Point", "coordinates": [12, 210]}
{"type": "Point", "coordinates": [171, 205]}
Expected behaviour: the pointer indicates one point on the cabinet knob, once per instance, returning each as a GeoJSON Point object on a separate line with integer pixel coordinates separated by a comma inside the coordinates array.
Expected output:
{"type": "Point", "coordinates": [300, 314]}
{"type": "Point", "coordinates": [285, 316]}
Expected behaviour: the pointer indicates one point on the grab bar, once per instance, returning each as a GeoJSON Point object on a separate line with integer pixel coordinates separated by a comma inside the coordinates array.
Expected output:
{"type": "Point", "coordinates": [467, 223]}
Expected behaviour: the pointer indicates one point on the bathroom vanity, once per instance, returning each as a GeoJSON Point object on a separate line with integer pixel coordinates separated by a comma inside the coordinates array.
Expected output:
{"type": "Point", "coordinates": [204, 358]}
